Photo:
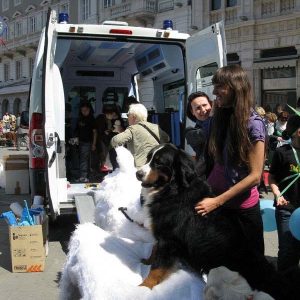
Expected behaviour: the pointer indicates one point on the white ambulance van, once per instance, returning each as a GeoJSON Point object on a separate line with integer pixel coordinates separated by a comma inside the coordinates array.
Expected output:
{"type": "Point", "coordinates": [107, 63]}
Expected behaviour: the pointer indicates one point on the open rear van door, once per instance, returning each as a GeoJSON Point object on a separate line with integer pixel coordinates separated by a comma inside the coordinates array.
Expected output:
{"type": "Point", "coordinates": [205, 53]}
{"type": "Point", "coordinates": [54, 120]}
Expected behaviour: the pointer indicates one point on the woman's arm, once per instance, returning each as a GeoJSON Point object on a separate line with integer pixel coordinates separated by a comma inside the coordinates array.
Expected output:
{"type": "Point", "coordinates": [280, 200]}
{"type": "Point", "coordinates": [256, 163]}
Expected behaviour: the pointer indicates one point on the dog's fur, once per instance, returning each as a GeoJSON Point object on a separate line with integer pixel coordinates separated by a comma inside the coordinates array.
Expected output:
{"type": "Point", "coordinates": [171, 189]}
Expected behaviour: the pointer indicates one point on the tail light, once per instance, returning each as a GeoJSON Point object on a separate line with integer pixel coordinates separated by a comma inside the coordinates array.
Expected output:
{"type": "Point", "coordinates": [36, 140]}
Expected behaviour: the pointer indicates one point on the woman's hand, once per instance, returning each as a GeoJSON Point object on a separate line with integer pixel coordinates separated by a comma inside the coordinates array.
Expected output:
{"type": "Point", "coordinates": [207, 205]}
{"type": "Point", "coordinates": [281, 201]}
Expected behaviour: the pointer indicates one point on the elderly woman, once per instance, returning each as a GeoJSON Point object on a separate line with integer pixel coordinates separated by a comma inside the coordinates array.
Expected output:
{"type": "Point", "coordinates": [140, 136]}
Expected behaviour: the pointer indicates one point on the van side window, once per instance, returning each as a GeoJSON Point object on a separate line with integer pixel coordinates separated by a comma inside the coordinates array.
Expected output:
{"type": "Point", "coordinates": [203, 77]}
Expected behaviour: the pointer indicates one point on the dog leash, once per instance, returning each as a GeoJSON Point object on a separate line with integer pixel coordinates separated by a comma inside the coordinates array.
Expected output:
{"type": "Point", "coordinates": [123, 211]}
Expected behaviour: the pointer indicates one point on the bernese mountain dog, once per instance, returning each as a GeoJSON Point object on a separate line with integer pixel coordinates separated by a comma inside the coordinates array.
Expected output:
{"type": "Point", "coordinates": [171, 188]}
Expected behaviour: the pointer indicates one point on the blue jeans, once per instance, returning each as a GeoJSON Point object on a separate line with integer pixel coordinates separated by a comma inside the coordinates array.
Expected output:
{"type": "Point", "coordinates": [84, 158]}
{"type": "Point", "coordinates": [289, 247]}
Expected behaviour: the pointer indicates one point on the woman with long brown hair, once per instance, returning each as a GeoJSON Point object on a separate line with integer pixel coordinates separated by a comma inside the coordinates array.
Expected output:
{"type": "Point", "coordinates": [236, 149]}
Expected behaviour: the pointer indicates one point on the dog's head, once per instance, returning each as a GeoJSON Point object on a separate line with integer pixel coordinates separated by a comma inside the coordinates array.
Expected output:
{"type": "Point", "coordinates": [166, 164]}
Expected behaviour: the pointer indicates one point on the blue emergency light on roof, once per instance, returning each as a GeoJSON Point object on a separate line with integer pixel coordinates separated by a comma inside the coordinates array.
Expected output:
{"type": "Point", "coordinates": [63, 18]}
{"type": "Point", "coordinates": [168, 24]}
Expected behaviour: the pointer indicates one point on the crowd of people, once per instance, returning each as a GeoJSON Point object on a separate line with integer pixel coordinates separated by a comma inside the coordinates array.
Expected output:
{"type": "Point", "coordinates": [8, 130]}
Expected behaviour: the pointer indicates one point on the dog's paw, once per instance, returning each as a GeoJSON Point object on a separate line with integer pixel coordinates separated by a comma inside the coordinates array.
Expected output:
{"type": "Point", "coordinates": [149, 283]}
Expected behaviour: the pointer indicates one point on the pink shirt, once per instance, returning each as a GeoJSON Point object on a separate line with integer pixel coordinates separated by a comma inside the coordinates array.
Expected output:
{"type": "Point", "coordinates": [220, 184]}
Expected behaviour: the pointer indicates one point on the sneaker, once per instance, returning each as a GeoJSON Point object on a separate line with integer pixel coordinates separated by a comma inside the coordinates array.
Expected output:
{"type": "Point", "coordinates": [105, 168]}
{"type": "Point", "coordinates": [83, 180]}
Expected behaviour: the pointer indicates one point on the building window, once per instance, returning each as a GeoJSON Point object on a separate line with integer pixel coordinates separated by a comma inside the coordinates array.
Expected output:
{"type": "Point", "coordinates": [17, 2]}
{"type": "Point", "coordinates": [215, 4]}
{"type": "Point", "coordinates": [285, 72]}
{"type": "Point", "coordinates": [231, 3]}
{"type": "Point", "coordinates": [5, 5]}
{"type": "Point", "coordinates": [18, 69]}
{"type": "Point", "coordinates": [31, 65]}
{"type": "Point", "coordinates": [32, 24]}
{"type": "Point", "coordinates": [6, 72]}
{"type": "Point", "coordinates": [64, 8]}
{"type": "Point", "coordinates": [18, 31]}
{"type": "Point", "coordinates": [276, 52]}
{"type": "Point", "coordinates": [85, 9]}
{"type": "Point", "coordinates": [109, 3]}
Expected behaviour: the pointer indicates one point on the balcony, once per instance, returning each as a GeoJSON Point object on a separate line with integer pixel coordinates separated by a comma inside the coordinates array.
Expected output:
{"type": "Point", "coordinates": [132, 11]}
{"type": "Point", "coordinates": [231, 15]}
{"type": "Point", "coordinates": [287, 6]}
{"type": "Point", "coordinates": [215, 16]}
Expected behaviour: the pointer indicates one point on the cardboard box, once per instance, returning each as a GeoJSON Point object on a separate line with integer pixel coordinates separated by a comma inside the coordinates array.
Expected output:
{"type": "Point", "coordinates": [16, 175]}
{"type": "Point", "coordinates": [28, 247]}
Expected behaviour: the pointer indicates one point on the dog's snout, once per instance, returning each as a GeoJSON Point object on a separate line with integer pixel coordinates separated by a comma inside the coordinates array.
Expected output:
{"type": "Point", "coordinates": [140, 175]}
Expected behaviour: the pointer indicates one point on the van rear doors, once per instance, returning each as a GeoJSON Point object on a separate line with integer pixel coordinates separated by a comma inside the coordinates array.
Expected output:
{"type": "Point", "coordinates": [54, 121]}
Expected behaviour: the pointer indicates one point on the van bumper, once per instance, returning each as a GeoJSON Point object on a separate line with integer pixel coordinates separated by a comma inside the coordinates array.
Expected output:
{"type": "Point", "coordinates": [37, 182]}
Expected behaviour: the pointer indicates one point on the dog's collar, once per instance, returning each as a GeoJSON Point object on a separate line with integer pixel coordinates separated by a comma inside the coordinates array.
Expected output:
{"type": "Point", "coordinates": [123, 211]}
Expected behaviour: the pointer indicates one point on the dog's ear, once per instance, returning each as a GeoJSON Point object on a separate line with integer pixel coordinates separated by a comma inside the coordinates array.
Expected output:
{"type": "Point", "coordinates": [184, 169]}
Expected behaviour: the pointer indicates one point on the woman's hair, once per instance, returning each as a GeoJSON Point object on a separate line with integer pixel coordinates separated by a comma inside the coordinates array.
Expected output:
{"type": "Point", "coordinates": [139, 111]}
{"type": "Point", "coordinates": [271, 117]}
{"type": "Point", "coordinates": [86, 103]}
{"type": "Point", "coordinates": [111, 108]}
{"type": "Point", "coordinates": [283, 115]}
{"type": "Point", "coordinates": [260, 110]}
{"type": "Point", "coordinates": [234, 120]}
{"type": "Point", "coordinates": [191, 97]}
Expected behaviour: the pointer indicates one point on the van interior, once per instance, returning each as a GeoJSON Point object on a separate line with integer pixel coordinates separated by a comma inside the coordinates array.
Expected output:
{"type": "Point", "coordinates": [108, 72]}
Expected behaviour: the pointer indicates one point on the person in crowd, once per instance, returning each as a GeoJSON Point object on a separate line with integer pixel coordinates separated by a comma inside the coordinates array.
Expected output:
{"type": "Point", "coordinates": [6, 122]}
{"type": "Point", "coordinates": [260, 111]}
{"type": "Point", "coordinates": [276, 140]}
{"type": "Point", "coordinates": [236, 148]}
{"type": "Point", "coordinates": [87, 136]}
{"type": "Point", "coordinates": [199, 108]}
{"type": "Point", "coordinates": [108, 124]}
{"type": "Point", "coordinates": [278, 109]}
{"type": "Point", "coordinates": [285, 163]}
{"type": "Point", "coordinates": [271, 118]}
{"type": "Point", "coordinates": [140, 136]}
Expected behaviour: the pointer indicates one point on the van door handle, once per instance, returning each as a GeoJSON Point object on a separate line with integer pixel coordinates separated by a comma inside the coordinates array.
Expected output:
{"type": "Point", "coordinates": [58, 143]}
{"type": "Point", "coordinates": [52, 159]}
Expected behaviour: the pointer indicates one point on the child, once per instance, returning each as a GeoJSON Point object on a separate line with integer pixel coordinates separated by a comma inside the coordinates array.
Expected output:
{"type": "Point", "coordinates": [284, 164]}
{"type": "Point", "coordinates": [87, 136]}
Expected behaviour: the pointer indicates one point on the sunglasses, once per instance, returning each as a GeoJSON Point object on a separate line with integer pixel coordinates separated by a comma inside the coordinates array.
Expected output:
{"type": "Point", "coordinates": [283, 119]}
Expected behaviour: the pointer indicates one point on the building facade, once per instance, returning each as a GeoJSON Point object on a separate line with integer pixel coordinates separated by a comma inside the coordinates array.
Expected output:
{"type": "Point", "coordinates": [263, 36]}
{"type": "Point", "coordinates": [23, 22]}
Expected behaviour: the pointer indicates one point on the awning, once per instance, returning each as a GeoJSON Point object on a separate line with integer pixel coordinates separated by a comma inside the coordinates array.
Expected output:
{"type": "Point", "coordinates": [275, 64]}
{"type": "Point", "coordinates": [24, 88]}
